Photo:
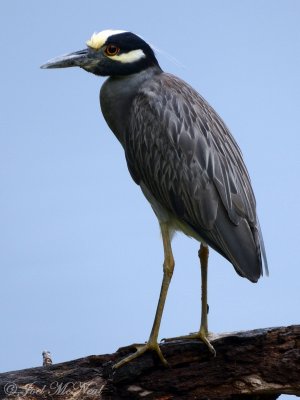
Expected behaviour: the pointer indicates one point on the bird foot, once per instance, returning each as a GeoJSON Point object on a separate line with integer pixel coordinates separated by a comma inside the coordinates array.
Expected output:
{"type": "Point", "coordinates": [141, 349]}
{"type": "Point", "coordinates": [201, 335]}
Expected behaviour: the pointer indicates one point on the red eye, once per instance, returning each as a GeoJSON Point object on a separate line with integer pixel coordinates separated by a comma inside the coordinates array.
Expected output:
{"type": "Point", "coordinates": [112, 50]}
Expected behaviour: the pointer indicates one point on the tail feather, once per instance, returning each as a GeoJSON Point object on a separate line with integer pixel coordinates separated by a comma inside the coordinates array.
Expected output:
{"type": "Point", "coordinates": [263, 250]}
{"type": "Point", "coordinates": [242, 245]}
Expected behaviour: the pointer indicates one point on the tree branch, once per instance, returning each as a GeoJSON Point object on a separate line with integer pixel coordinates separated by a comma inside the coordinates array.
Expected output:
{"type": "Point", "coordinates": [258, 364]}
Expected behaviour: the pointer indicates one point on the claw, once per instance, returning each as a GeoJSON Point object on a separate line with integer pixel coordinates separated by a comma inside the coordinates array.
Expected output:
{"type": "Point", "coordinates": [141, 349]}
{"type": "Point", "coordinates": [203, 336]}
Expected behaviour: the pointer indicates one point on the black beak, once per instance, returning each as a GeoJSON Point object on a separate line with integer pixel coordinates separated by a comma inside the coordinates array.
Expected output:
{"type": "Point", "coordinates": [77, 59]}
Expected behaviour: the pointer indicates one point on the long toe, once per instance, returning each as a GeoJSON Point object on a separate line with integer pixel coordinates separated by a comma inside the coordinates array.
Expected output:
{"type": "Point", "coordinates": [201, 335]}
{"type": "Point", "coordinates": [141, 349]}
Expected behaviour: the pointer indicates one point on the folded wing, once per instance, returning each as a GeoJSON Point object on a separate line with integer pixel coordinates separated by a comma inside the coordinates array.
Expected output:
{"type": "Point", "coordinates": [181, 150]}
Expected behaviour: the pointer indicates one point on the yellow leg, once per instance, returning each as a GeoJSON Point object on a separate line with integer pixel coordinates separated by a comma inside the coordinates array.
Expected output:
{"type": "Point", "coordinates": [203, 256]}
{"type": "Point", "coordinates": [168, 272]}
{"type": "Point", "coordinates": [202, 334]}
{"type": "Point", "coordinates": [203, 331]}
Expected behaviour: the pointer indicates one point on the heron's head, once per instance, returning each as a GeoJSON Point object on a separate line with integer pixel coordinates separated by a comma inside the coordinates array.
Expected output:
{"type": "Point", "coordinates": [109, 53]}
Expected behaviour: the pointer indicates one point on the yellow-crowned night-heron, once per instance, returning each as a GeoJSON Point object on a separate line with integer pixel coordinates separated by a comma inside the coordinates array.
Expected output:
{"type": "Point", "coordinates": [182, 155]}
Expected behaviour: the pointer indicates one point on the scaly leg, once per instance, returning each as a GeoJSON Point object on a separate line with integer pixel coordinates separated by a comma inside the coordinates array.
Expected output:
{"type": "Point", "coordinates": [203, 331]}
{"type": "Point", "coordinates": [168, 272]}
{"type": "Point", "coordinates": [202, 334]}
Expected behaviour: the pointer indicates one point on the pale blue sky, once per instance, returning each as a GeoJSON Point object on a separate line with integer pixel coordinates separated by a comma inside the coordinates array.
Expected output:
{"type": "Point", "coordinates": [80, 250]}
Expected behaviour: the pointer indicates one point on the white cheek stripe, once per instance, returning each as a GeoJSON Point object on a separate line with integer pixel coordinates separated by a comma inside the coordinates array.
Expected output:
{"type": "Point", "coordinates": [130, 57]}
{"type": "Point", "coordinates": [98, 39]}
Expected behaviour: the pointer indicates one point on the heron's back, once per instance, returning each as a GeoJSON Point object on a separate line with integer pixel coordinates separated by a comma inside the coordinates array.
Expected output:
{"type": "Point", "coordinates": [178, 147]}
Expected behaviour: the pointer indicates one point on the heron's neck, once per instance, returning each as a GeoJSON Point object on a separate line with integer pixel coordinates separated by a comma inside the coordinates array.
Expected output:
{"type": "Point", "coordinates": [116, 96]}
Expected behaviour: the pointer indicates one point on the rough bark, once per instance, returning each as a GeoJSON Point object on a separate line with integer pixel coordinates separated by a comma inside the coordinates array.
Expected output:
{"type": "Point", "coordinates": [258, 364]}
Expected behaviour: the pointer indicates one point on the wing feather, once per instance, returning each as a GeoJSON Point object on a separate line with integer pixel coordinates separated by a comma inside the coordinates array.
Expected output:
{"type": "Point", "coordinates": [182, 151]}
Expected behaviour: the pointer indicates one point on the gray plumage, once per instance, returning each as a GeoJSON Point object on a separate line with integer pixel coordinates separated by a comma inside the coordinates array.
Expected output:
{"type": "Point", "coordinates": [179, 148]}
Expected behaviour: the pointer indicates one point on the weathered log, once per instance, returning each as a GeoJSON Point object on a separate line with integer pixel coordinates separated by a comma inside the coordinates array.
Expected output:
{"type": "Point", "coordinates": [258, 364]}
